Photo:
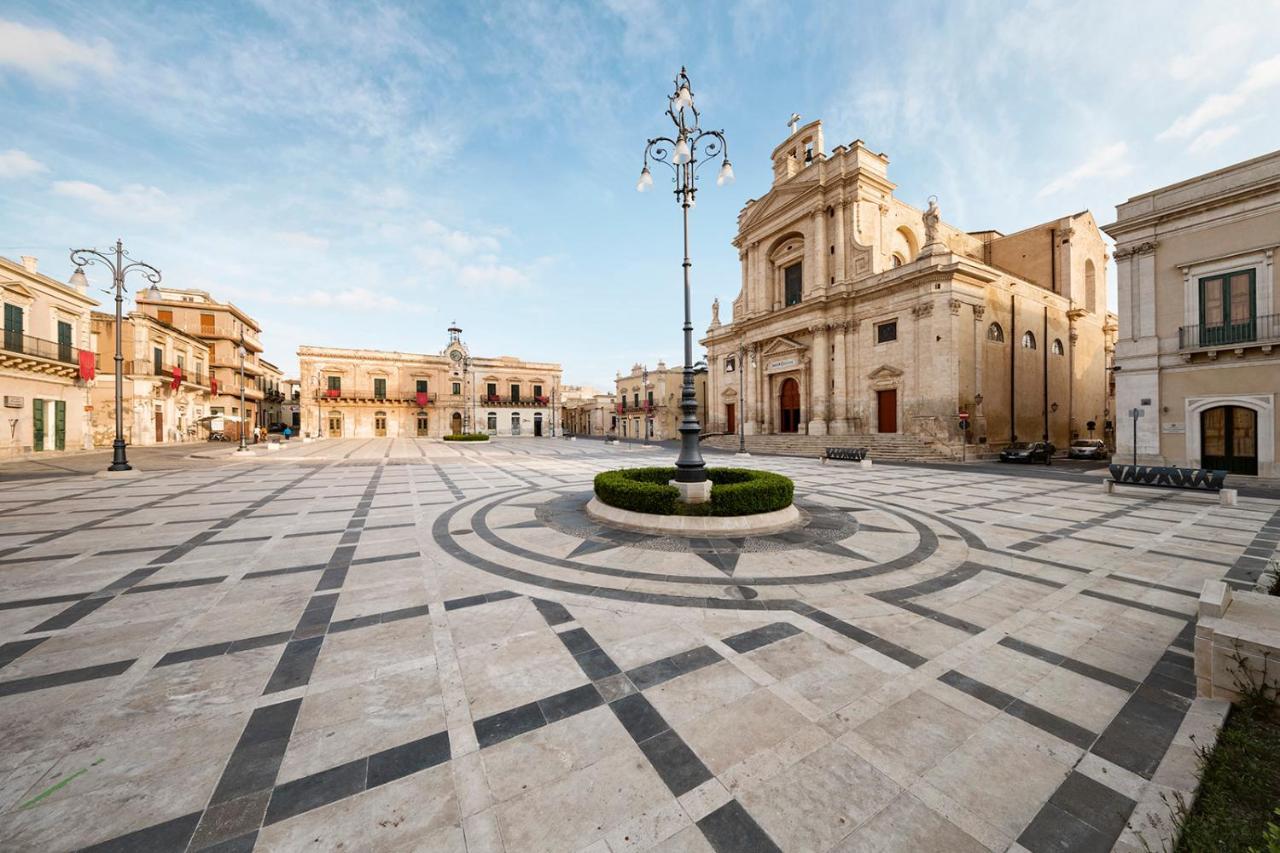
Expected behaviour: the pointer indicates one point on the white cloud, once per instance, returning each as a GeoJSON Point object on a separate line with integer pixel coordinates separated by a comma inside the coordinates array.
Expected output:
{"type": "Point", "coordinates": [358, 298]}
{"type": "Point", "coordinates": [19, 164]}
{"type": "Point", "coordinates": [1212, 138]}
{"type": "Point", "coordinates": [1110, 161]}
{"type": "Point", "coordinates": [457, 242]}
{"type": "Point", "coordinates": [1262, 75]}
{"type": "Point", "coordinates": [303, 240]}
{"type": "Point", "coordinates": [50, 57]}
{"type": "Point", "coordinates": [132, 201]}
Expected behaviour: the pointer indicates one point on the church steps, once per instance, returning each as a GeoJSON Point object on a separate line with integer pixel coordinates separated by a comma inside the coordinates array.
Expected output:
{"type": "Point", "coordinates": [895, 446]}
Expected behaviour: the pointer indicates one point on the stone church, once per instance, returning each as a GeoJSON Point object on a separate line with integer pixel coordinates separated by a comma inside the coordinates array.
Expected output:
{"type": "Point", "coordinates": [861, 314]}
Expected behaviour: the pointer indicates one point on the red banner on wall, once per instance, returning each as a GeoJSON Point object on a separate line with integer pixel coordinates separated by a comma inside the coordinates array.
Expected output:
{"type": "Point", "coordinates": [86, 364]}
{"type": "Point", "coordinates": [422, 399]}
{"type": "Point", "coordinates": [177, 378]}
{"type": "Point", "coordinates": [213, 386]}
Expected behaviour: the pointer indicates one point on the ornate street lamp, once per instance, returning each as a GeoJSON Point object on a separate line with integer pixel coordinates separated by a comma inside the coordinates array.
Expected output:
{"type": "Point", "coordinates": [741, 367]}
{"type": "Point", "coordinates": [681, 154]}
{"type": "Point", "coordinates": [119, 269]}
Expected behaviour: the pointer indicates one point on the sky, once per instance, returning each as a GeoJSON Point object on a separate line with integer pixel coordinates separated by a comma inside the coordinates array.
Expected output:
{"type": "Point", "coordinates": [365, 174]}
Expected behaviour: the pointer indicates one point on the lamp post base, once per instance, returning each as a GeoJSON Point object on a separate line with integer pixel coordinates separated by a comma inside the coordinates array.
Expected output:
{"type": "Point", "coordinates": [117, 474]}
{"type": "Point", "coordinates": [693, 493]}
{"type": "Point", "coordinates": [118, 460]}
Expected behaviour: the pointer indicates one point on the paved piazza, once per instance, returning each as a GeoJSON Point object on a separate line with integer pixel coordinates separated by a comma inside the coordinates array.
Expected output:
{"type": "Point", "coordinates": [412, 645]}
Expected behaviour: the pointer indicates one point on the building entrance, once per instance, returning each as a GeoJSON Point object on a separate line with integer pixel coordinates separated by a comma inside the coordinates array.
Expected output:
{"type": "Point", "coordinates": [1229, 440]}
{"type": "Point", "coordinates": [789, 398]}
{"type": "Point", "coordinates": [887, 410]}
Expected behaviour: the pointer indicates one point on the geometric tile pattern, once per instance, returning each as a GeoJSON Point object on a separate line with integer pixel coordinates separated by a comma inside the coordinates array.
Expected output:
{"type": "Point", "coordinates": [400, 644]}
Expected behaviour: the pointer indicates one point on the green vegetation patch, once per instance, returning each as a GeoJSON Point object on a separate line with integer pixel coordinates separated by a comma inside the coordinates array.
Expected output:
{"type": "Point", "coordinates": [1238, 805]}
{"type": "Point", "coordinates": [467, 436]}
{"type": "Point", "coordinates": [734, 491]}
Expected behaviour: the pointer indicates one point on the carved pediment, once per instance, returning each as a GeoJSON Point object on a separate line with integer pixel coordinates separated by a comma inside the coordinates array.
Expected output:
{"type": "Point", "coordinates": [17, 288]}
{"type": "Point", "coordinates": [777, 201]}
{"type": "Point", "coordinates": [884, 372]}
{"type": "Point", "coordinates": [782, 345]}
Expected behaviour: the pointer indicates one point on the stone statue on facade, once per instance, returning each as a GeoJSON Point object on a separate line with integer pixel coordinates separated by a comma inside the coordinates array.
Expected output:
{"type": "Point", "coordinates": [715, 311]}
{"type": "Point", "coordinates": [932, 242]}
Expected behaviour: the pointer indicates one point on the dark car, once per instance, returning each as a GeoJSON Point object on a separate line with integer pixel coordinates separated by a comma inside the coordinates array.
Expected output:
{"type": "Point", "coordinates": [1087, 448]}
{"type": "Point", "coordinates": [1022, 451]}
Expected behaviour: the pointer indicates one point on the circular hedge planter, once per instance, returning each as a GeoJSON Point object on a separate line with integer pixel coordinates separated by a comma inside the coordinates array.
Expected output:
{"type": "Point", "coordinates": [734, 492]}
{"type": "Point", "coordinates": [467, 436]}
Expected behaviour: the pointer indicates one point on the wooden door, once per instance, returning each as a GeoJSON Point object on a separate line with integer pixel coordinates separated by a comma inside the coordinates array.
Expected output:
{"type": "Point", "coordinates": [159, 427]}
{"type": "Point", "coordinates": [730, 418]}
{"type": "Point", "coordinates": [455, 424]}
{"type": "Point", "coordinates": [887, 410]}
{"type": "Point", "coordinates": [59, 425]}
{"type": "Point", "coordinates": [1228, 440]}
{"type": "Point", "coordinates": [789, 400]}
{"type": "Point", "coordinates": [37, 424]}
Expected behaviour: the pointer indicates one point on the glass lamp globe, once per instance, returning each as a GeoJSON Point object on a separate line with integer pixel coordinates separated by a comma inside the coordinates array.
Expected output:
{"type": "Point", "coordinates": [646, 180]}
{"type": "Point", "coordinates": [681, 154]}
{"type": "Point", "coordinates": [684, 98]}
{"type": "Point", "coordinates": [726, 174]}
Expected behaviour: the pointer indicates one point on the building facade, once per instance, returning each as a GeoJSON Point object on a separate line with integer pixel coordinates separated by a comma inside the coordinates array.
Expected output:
{"type": "Point", "coordinates": [275, 399]}
{"type": "Point", "coordinates": [225, 329]}
{"type": "Point", "coordinates": [46, 361]}
{"type": "Point", "coordinates": [165, 393]}
{"type": "Point", "coordinates": [647, 402]}
{"type": "Point", "coordinates": [365, 393]}
{"type": "Point", "coordinates": [859, 313]}
{"type": "Point", "coordinates": [1198, 352]}
{"type": "Point", "coordinates": [586, 411]}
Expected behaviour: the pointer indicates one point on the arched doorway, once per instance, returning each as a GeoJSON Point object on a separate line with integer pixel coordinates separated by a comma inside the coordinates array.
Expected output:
{"type": "Point", "coordinates": [455, 423]}
{"type": "Point", "coordinates": [789, 398]}
{"type": "Point", "coordinates": [380, 424]}
{"type": "Point", "coordinates": [1229, 439]}
{"type": "Point", "coordinates": [335, 424]}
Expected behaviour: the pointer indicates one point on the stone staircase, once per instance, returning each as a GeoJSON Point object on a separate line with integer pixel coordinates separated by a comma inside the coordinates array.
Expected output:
{"type": "Point", "coordinates": [880, 446]}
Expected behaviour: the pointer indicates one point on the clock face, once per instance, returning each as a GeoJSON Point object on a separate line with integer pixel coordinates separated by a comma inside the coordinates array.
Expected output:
{"type": "Point", "coordinates": [456, 355]}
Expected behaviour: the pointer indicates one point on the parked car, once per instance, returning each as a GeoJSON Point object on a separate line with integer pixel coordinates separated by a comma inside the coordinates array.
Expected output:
{"type": "Point", "coordinates": [1022, 451]}
{"type": "Point", "coordinates": [1087, 448]}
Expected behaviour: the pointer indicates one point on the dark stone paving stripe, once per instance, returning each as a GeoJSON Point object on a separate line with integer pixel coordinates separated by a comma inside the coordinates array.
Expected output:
{"type": "Point", "coordinates": [730, 829]}
{"type": "Point", "coordinates": [39, 558]}
{"type": "Point", "coordinates": [1025, 711]}
{"type": "Point", "coordinates": [157, 587]}
{"type": "Point", "coordinates": [1249, 566]}
{"type": "Point", "coordinates": [1140, 605]}
{"type": "Point", "coordinates": [758, 637]}
{"type": "Point", "coordinates": [172, 835]}
{"type": "Point", "coordinates": [1079, 667]}
{"type": "Point", "coordinates": [9, 652]}
{"type": "Point", "coordinates": [20, 603]}
{"type": "Point", "coordinates": [1081, 815]}
{"type": "Point", "coordinates": [68, 676]}
{"type": "Point", "coordinates": [885, 647]}
{"type": "Point", "coordinates": [71, 615]}
{"type": "Point", "coordinates": [660, 671]}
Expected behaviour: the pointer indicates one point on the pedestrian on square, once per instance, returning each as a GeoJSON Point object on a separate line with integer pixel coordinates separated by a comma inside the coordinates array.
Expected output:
{"type": "Point", "coordinates": [287, 432]}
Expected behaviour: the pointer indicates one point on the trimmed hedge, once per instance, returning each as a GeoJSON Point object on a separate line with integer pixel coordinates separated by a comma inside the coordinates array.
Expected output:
{"type": "Point", "coordinates": [467, 436]}
{"type": "Point", "coordinates": [734, 491]}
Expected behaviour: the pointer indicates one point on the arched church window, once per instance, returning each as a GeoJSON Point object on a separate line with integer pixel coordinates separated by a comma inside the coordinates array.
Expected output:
{"type": "Point", "coordinates": [1057, 347]}
{"type": "Point", "coordinates": [995, 333]}
{"type": "Point", "coordinates": [1028, 341]}
{"type": "Point", "coordinates": [898, 260]}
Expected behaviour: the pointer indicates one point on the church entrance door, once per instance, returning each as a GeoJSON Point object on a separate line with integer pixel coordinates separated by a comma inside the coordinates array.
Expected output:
{"type": "Point", "coordinates": [790, 405]}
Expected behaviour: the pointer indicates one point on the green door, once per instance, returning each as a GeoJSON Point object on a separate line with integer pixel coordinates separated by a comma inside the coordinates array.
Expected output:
{"type": "Point", "coordinates": [64, 341]}
{"type": "Point", "coordinates": [13, 328]}
{"type": "Point", "coordinates": [59, 425]}
{"type": "Point", "coordinates": [37, 424]}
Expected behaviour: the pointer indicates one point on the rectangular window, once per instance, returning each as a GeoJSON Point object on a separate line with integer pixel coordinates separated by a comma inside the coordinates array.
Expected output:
{"type": "Point", "coordinates": [649, 396]}
{"type": "Point", "coordinates": [216, 411]}
{"type": "Point", "coordinates": [1228, 304]}
{"type": "Point", "coordinates": [13, 328]}
{"type": "Point", "coordinates": [886, 332]}
{"type": "Point", "coordinates": [537, 391]}
{"type": "Point", "coordinates": [64, 341]}
{"type": "Point", "coordinates": [515, 393]}
{"type": "Point", "coordinates": [421, 386]}
{"type": "Point", "coordinates": [206, 324]}
{"type": "Point", "coordinates": [380, 388]}
{"type": "Point", "coordinates": [493, 421]}
{"type": "Point", "coordinates": [182, 363]}
{"type": "Point", "coordinates": [335, 383]}
{"type": "Point", "coordinates": [491, 390]}
{"type": "Point", "coordinates": [164, 315]}
{"type": "Point", "coordinates": [157, 361]}
{"type": "Point", "coordinates": [635, 400]}
{"type": "Point", "coordinates": [457, 388]}
{"type": "Point", "coordinates": [792, 285]}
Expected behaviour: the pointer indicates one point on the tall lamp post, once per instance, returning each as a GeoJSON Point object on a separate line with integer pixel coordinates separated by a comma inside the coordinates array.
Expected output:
{"type": "Point", "coordinates": [741, 367]}
{"type": "Point", "coordinates": [119, 269]}
{"type": "Point", "coordinates": [681, 154]}
{"type": "Point", "coordinates": [240, 352]}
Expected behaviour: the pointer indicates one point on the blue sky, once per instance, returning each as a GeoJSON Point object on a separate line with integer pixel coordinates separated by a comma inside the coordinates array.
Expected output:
{"type": "Point", "coordinates": [363, 174]}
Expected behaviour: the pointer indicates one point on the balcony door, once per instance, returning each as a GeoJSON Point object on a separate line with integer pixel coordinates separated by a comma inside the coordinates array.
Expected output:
{"type": "Point", "coordinates": [1227, 308]}
{"type": "Point", "coordinates": [13, 328]}
{"type": "Point", "coordinates": [1229, 440]}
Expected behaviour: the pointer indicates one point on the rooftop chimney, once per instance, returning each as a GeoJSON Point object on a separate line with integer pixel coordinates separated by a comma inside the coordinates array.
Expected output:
{"type": "Point", "coordinates": [30, 263]}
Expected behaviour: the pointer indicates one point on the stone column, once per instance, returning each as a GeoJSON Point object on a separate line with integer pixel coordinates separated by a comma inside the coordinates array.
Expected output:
{"type": "Point", "coordinates": [839, 403]}
{"type": "Point", "coordinates": [823, 252]}
{"type": "Point", "coordinates": [820, 384]}
{"type": "Point", "coordinates": [854, 380]}
{"type": "Point", "coordinates": [751, 408]}
{"type": "Point", "coordinates": [978, 421]}
{"type": "Point", "coordinates": [841, 273]}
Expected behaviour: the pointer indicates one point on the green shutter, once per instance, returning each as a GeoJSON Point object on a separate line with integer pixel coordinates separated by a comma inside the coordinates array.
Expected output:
{"type": "Point", "coordinates": [13, 328]}
{"type": "Point", "coordinates": [59, 425]}
{"type": "Point", "coordinates": [64, 341]}
{"type": "Point", "coordinates": [37, 424]}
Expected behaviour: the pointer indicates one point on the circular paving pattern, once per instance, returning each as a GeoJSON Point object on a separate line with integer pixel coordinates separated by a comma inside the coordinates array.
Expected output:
{"type": "Point", "coordinates": [543, 536]}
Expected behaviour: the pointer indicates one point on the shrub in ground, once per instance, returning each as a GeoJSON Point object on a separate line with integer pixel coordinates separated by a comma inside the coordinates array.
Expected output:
{"type": "Point", "coordinates": [734, 491]}
{"type": "Point", "coordinates": [467, 436]}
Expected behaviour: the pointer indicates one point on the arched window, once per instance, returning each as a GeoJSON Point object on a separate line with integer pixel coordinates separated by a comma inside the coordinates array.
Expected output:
{"type": "Point", "coordinates": [995, 333]}
{"type": "Point", "coordinates": [898, 260]}
{"type": "Point", "coordinates": [1090, 287]}
{"type": "Point", "coordinates": [1056, 349]}
{"type": "Point", "coordinates": [1028, 341]}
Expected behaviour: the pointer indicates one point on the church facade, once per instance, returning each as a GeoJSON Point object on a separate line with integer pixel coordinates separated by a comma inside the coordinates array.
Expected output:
{"type": "Point", "coordinates": [859, 313]}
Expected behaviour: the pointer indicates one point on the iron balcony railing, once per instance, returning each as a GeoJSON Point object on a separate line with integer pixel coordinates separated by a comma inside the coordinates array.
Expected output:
{"type": "Point", "coordinates": [365, 394]}
{"type": "Point", "coordinates": [143, 367]}
{"type": "Point", "coordinates": [507, 400]}
{"type": "Point", "coordinates": [1256, 330]}
{"type": "Point", "coordinates": [16, 342]}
